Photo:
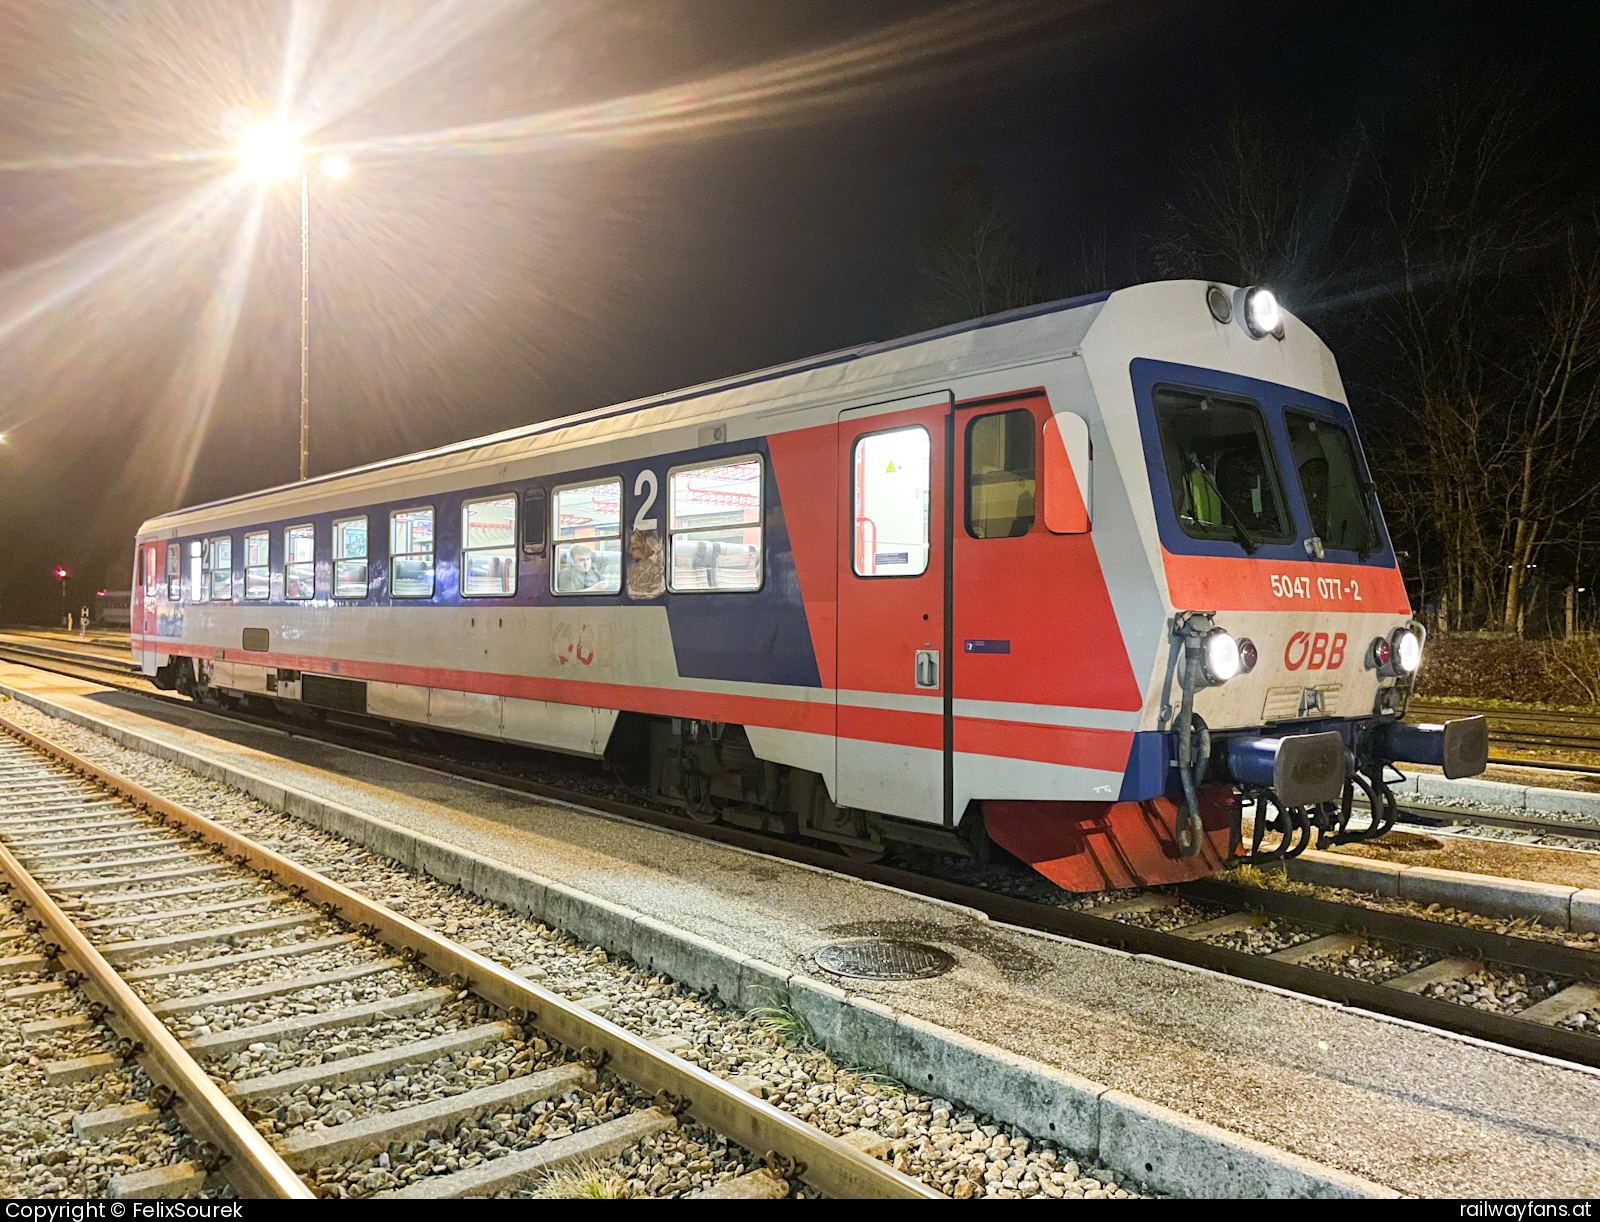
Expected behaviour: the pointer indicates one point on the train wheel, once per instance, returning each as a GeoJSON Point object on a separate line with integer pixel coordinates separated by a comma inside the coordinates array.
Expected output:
{"type": "Point", "coordinates": [696, 790]}
{"type": "Point", "coordinates": [865, 856]}
{"type": "Point", "coordinates": [845, 827]}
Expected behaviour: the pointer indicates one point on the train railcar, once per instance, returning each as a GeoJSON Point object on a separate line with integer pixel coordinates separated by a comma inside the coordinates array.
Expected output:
{"type": "Point", "coordinates": [113, 608]}
{"type": "Point", "coordinates": [1097, 580]}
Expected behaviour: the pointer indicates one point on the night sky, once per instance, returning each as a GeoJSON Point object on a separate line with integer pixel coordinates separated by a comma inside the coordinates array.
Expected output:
{"type": "Point", "coordinates": [461, 286]}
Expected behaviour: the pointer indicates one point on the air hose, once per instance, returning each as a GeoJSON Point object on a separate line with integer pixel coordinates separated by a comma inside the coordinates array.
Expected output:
{"type": "Point", "coordinates": [1190, 830]}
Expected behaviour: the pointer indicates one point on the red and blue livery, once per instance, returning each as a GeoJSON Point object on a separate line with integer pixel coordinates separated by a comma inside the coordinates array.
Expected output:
{"type": "Point", "coordinates": [1102, 581]}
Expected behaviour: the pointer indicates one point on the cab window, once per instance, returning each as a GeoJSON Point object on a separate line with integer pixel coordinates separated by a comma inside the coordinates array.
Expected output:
{"type": "Point", "coordinates": [715, 523]}
{"type": "Point", "coordinates": [893, 475]}
{"type": "Point", "coordinates": [489, 547]}
{"type": "Point", "coordinates": [588, 539]}
{"type": "Point", "coordinates": [1220, 472]}
{"type": "Point", "coordinates": [1001, 474]}
{"type": "Point", "coordinates": [1336, 496]}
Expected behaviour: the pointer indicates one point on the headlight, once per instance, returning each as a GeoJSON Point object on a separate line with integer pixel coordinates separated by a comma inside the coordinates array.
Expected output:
{"type": "Point", "coordinates": [1220, 657]}
{"type": "Point", "coordinates": [1259, 311]}
{"type": "Point", "coordinates": [1406, 651]}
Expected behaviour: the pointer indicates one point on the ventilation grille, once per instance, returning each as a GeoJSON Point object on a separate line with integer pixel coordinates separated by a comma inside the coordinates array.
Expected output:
{"type": "Point", "coordinates": [1291, 703]}
{"type": "Point", "coordinates": [341, 695]}
{"type": "Point", "coordinates": [257, 640]}
{"type": "Point", "coordinates": [1282, 704]}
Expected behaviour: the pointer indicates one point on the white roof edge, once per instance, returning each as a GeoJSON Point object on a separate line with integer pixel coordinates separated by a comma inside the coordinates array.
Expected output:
{"type": "Point", "coordinates": [555, 428]}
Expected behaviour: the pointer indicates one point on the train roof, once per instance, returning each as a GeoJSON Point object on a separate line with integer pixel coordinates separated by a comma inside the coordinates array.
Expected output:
{"type": "Point", "coordinates": [807, 365]}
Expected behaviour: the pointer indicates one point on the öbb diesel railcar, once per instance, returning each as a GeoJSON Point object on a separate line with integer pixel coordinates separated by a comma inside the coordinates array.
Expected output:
{"type": "Point", "coordinates": [1091, 579]}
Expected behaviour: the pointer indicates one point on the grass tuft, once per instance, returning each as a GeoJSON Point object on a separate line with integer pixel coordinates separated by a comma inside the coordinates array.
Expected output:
{"type": "Point", "coordinates": [583, 1181]}
{"type": "Point", "coordinates": [873, 1082]}
{"type": "Point", "coordinates": [786, 1026]}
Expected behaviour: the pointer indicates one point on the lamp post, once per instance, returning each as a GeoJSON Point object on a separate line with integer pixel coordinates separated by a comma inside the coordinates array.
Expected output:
{"type": "Point", "coordinates": [271, 151]}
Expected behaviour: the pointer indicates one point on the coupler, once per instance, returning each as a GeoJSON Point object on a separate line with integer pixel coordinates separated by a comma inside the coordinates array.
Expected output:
{"type": "Point", "coordinates": [1300, 769]}
{"type": "Point", "coordinates": [1460, 747]}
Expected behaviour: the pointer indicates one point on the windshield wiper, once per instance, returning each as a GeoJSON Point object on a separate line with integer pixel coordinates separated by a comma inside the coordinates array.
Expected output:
{"type": "Point", "coordinates": [1369, 502]}
{"type": "Point", "coordinates": [1246, 539]}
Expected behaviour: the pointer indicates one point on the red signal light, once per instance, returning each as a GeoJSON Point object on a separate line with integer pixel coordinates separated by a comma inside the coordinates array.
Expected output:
{"type": "Point", "coordinates": [62, 573]}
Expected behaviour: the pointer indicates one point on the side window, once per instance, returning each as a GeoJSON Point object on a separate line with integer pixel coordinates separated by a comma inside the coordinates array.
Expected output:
{"type": "Point", "coordinates": [219, 562]}
{"type": "Point", "coordinates": [714, 517]}
{"type": "Point", "coordinates": [257, 568]}
{"type": "Point", "coordinates": [1000, 474]}
{"type": "Point", "coordinates": [300, 562]}
{"type": "Point", "coordinates": [197, 571]}
{"type": "Point", "coordinates": [588, 539]}
{"type": "Point", "coordinates": [893, 472]}
{"type": "Point", "coordinates": [411, 553]}
{"type": "Point", "coordinates": [174, 572]}
{"type": "Point", "coordinates": [535, 512]}
{"type": "Point", "coordinates": [350, 558]}
{"type": "Point", "coordinates": [489, 547]}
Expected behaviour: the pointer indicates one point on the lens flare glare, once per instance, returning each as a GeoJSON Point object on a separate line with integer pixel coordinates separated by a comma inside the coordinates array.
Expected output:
{"type": "Point", "coordinates": [270, 150]}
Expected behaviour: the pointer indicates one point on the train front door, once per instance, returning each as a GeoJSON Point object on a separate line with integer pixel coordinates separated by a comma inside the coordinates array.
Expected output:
{"type": "Point", "coordinates": [893, 623]}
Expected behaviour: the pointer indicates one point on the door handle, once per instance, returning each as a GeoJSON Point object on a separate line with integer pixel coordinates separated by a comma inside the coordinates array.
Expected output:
{"type": "Point", "coordinates": [926, 668]}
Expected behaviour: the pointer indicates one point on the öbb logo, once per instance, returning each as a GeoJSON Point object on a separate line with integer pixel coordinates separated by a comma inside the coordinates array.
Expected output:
{"type": "Point", "coordinates": [1314, 652]}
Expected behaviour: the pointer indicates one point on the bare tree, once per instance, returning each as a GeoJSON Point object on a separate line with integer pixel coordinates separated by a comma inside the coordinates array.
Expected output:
{"type": "Point", "coordinates": [970, 257]}
{"type": "Point", "coordinates": [1552, 468]}
{"type": "Point", "coordinates": [1464, 220]}
{"type": "Point", "coordinates": [1261, 203]}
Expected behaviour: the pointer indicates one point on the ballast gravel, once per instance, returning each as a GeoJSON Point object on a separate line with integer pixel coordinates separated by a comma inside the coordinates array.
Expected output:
{"type": "Point", "coordinates": [40, 1156]}
{"type": "Point", "coordinates": [1503, 992]}
{"type": "Point", "coordinates": [1265, 939]}
{"type": "Point", "coordinates": [963, 1153]}
{"type": "Point", "coordinates": [1375, 962]}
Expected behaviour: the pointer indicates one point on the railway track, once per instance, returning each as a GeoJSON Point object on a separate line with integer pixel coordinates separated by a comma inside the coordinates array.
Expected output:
{"type": "Point", "coordinates": [1418, 814]}
{"type": "Point", "coordinates": [1561, 982]}
{"type": "Point", "coordinates": [1527, 730]}
{"type": "Point", "coordinates": [137, 892]}
{"type": "Point", "coordinates": [124, 677]}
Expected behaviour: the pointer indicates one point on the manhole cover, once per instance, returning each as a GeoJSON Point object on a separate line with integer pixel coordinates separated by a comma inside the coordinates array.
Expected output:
{"type": "Point", "coordinates": [884, 959]}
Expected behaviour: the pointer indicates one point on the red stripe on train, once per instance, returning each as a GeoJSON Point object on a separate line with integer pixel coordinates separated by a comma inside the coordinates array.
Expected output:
{"type": "Point", "coordinates": [1079, 746]}
{"type": "Point", "coordinates": [1239, 583]}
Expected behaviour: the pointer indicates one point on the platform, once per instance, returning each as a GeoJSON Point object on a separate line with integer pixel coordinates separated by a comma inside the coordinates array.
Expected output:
{"type": "Point", "coordinates": [1417, 1111]}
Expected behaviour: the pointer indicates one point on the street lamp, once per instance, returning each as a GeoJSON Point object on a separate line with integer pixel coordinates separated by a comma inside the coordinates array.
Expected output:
{"type": "Point", "coordinates": [271, 151]}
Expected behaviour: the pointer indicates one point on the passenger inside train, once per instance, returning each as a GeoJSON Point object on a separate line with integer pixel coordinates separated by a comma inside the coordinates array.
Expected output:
{"type": "Point", "coordinates": [579, 571]}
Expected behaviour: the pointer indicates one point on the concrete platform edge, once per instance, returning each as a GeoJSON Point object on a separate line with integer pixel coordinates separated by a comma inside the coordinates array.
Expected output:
{"type": "Point", "coordinates": [1536, 798]}
{"type": "Point", "coordinates": [1553, 905]}
{"type": "Point", "coordinates": [1144, 1141]}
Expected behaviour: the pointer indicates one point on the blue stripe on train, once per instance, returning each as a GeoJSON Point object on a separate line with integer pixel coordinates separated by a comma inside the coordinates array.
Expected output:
{"type": "Point", "coordinates": [756, 637]}
{"type": "Point", "coordinates": [1148, 766]}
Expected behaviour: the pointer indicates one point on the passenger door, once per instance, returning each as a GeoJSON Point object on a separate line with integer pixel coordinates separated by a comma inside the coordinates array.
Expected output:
{"type": "Point", "coordinates": [150, 587]}
{"type": "Point", "coordinates": [893, 743]}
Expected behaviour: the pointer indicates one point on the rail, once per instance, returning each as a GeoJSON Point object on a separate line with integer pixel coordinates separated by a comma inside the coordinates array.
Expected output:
{"type": "Point", "coordinates": [1105, 930]}
{"type": "Point", "coordinates": [828, 1164]}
